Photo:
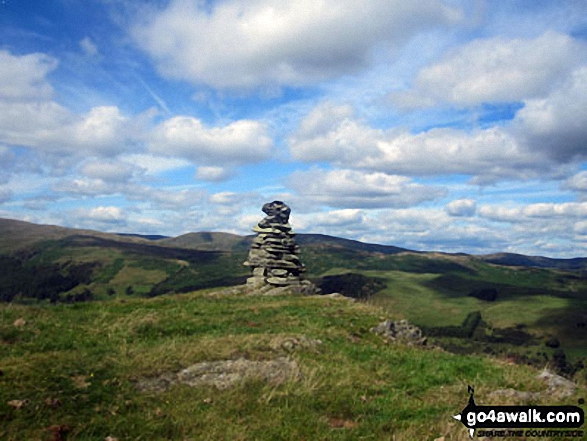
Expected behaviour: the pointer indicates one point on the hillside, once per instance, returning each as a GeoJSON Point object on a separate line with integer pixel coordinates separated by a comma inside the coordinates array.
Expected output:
{"type": "Point", "coordinates": [467, 303]}
{"type": "Point", "coordinates": [510, 259]}
{"type": "Point", "coordinates": [210, 241]}
{"type": "Point", "coordinates": [218, 365]}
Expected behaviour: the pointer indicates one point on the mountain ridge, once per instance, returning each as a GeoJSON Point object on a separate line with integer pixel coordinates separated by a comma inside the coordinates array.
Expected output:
{"type": "Point", "coordinates": [17, 234]}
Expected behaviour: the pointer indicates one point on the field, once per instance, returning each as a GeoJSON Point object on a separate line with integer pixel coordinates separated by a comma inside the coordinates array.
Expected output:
{"type": "Point", "coordinates": [77, 369]}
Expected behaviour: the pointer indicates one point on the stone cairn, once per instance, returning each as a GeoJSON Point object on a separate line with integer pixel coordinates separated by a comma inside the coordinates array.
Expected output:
{"type": "Point", "coordinates": [274, 253]}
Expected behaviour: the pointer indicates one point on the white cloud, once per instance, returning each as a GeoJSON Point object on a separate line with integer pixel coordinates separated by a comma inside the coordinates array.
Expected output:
{"type": "Point", "coordinates": [331, 133]}
{"type": "Point", "coordinates": [102, 214]}
{"type": "Point", "coordinates": [577, 182]}
{"type": "Point", "coordinates": [496, 70]}
{"type": "Point", "coordinates": [23, 77]}
{"type": "Point", "coordinates": [29, 118]}
{"type": "Point", "coordinates": [212, 173]}
{"type": "Point", "coordinates": [49, 127]}
{"type": "Point", "coordinates": [354, 189]}
{"type": "Point", "coordinates": [84, 187]}
{"type": "Point", "coordinates": [167, 199]}
{"type": "Point", "coordinates": [152, 164]}
{"type": "Point", "coordinates": [548, 211]}
{"type": "Point", "coordinates": [89, 47]}
{"type": "Point", "coordinates": [259, 43]}
{"type": "Point", "coordinates": [239, 142]}
{"type": "Point", "coordinates": [225, 198]}
{"type": "Point", "coordinates": [557, 123]}
{"type": "Point", "coordinates": [581, 228]}
{"type": "Point", "coordinates": [334, 218]}
{"type": "Point", "coordinates": [108, 170]}
{"type": "Point", "coordinates": [461, 208]}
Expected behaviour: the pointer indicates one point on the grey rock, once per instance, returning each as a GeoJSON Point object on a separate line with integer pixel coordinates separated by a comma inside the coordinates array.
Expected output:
{"type": "Point", "coordinates": [225, 374]}
{"type": "Point", "coordinates": [400, 331]}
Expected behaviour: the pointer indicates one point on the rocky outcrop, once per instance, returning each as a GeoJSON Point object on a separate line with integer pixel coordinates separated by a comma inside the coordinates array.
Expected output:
{"type": "Point", "coordinates": [400, 331]}
{"type": "Point", "coordinates": [224, 374]}
{"type": "Point", "coordinates": [557, 388]}
{"type": "Point", "coordinates": [274, 253]}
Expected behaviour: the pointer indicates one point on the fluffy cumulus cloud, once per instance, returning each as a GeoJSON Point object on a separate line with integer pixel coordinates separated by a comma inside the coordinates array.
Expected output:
{"type": "Point", "coordinates": [253, 43]}
{"type": "Point", "coordinates": [108, 170]}
{"type": "Point", "coordinates": [154, 164]}
{"type": "Point", "coordinates": [332, 133]}
{"type": "Point", "coordinates": [355, 189]}
{"type": "Point", "coordinates": [413, 228]}
{"type": "Point", "coordinates": [212, 173]}
{"type": "Point", "coordinates": [496, 70]}
{"type": "Point", "coordinates": [461, 208]}
{"type": "Point", "coordinates": [520, 214]}
{"type": "Point", "coordinates": [23, 77]}
{"type": "Point", "coordinates": [30, 118]}
{"type": "Point", "coordinates": [577, 182]}
{"type": "Point", "coordinates": [239, 142]}
{"type": "Point", "coordinates": [102, 214]}
{"type": "Point", "coordinates": [49, 127]}
{"type": "Point", "coordinates": [349, 218]}
{"type": "Point", "coordinates": [82, 187]}
{"type": "Point", "coordinates": [557, 123]}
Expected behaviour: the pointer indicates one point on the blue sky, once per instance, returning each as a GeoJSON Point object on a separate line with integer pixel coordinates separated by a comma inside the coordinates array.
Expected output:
{"type": "Point", "coordinates": [457, 125]}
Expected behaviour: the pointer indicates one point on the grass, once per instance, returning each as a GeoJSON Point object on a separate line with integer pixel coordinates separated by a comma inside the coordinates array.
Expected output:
{"type": "Point", "coordinates": [409, 295]}
{"type": "Point", "coordinates": [353, 386]}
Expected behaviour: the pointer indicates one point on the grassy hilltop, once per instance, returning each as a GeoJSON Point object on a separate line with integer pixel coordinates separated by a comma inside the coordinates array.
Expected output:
{"type": "Point", "coordinates": [77, 370]}
{"type": "Point", "coordinates": [89, 317]}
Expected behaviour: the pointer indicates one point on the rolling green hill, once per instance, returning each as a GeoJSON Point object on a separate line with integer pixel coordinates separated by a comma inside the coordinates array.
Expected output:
{"type": "Point", "coordinates": [96, 328]}
{"type": "Point", "coordinates": [521, 307]}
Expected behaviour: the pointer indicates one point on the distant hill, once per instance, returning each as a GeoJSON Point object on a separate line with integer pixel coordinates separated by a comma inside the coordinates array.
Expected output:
{"type": "Point", "coordinates": [323, 239]}
{"type": "Point", "coordinates": [144, 236]}
{"type": "Point", "coordinates": [209, 241]}
{"type": "Point", "coordinates": [232, 242]}
{"type": "Point", "coordinates": [16, 234]}
{"type": "Point", "coordinates": [511, 259]}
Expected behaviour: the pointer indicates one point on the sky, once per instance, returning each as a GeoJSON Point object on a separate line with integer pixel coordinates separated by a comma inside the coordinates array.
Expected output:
{"type": "Point", "coordinates": [454, 126]}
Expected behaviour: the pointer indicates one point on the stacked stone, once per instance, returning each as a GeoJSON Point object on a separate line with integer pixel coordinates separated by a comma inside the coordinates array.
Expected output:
{"type": "Point", "coordinates": [274, 253]}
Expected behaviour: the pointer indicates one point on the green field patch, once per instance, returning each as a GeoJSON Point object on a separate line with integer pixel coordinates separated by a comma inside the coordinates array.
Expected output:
{"type": "Point", "coordinates": [77, 366]}
{"type": "Point", "coordinates": [110, 271]}
{"type": "Point", "coordinates": [137, 277]}
{"type": "Point", "coordinates": [526, 310]}
{"type": "Point", "coordinates": [409, 296]}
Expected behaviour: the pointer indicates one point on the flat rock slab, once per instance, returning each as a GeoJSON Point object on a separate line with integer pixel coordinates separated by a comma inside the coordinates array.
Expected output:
{"type": "Point", "coordinates": [225, 374]}
{"type": "Point", "coordinates": [558, 388]}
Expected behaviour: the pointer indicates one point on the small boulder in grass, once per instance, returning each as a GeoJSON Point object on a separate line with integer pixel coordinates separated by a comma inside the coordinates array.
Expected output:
{"type": "Point", "coordinates": [400, 331]}
{"type": "Point", "coordinates": [18, 404]}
